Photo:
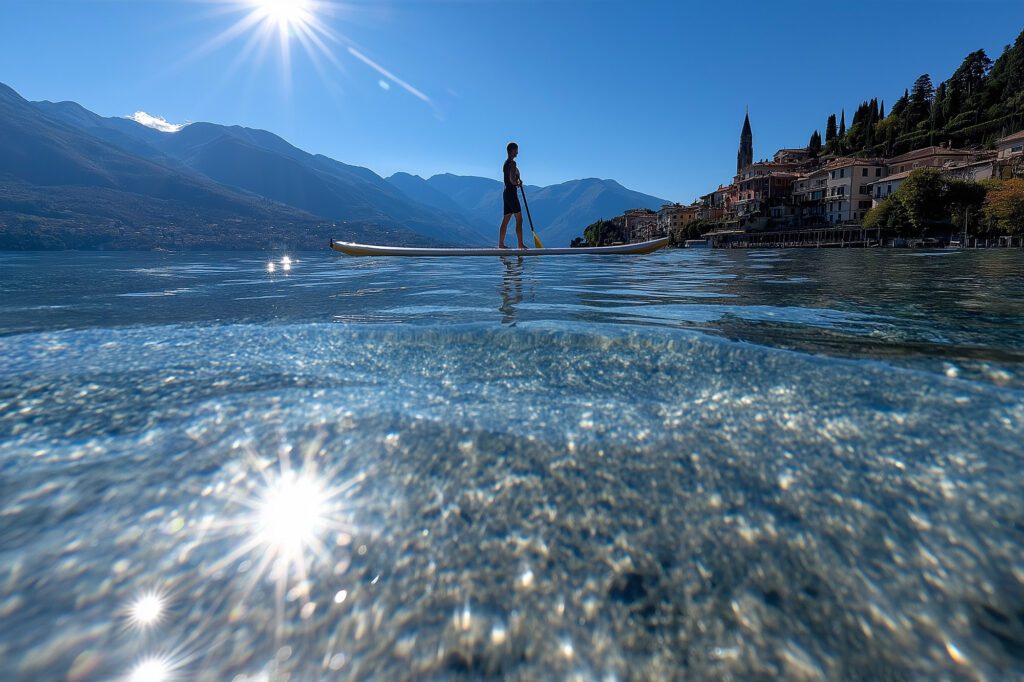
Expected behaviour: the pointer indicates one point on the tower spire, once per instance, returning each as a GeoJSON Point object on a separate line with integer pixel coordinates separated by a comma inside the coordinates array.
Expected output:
{"type": "Point", "coordinates": [745, 156]}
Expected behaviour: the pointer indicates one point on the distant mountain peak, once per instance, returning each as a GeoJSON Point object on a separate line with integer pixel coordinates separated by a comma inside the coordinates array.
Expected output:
{"type": "Point", "coordinates": [155, 122]}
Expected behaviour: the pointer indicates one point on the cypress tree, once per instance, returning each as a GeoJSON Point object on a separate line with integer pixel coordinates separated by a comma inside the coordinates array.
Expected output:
{"type": "Point", "coordinates": [881, 111]}
{"type": "Point", "coordinates": [842, 124]}
{"type": "Point", "coordinates": [830, 130]}
{"type": "Point", "coordinates": [814, 146]}
{"type": "Point", "coordinates": [869, 125]}
{"type": "Point", "coordinates": [953, 104]}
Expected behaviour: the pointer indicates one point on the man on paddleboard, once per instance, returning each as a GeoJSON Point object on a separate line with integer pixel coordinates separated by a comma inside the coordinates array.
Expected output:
{"type": "Point", "coordinates": [511, 197]}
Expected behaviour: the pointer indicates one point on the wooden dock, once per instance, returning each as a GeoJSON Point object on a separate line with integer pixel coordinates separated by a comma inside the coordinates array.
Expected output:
{"type": "Point", "coordinates": [823, 237]}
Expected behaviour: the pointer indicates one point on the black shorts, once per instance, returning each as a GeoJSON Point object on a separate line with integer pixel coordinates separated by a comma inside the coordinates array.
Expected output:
{"type": "Point", "coordinates": [511, 198]}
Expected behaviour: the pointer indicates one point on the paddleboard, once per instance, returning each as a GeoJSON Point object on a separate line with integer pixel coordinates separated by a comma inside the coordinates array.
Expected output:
{"type": "Point", "coordinates": [354, 249]}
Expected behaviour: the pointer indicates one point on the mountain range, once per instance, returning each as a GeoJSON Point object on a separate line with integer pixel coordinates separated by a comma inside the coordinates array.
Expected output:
{"type": "Point", "coordinates": [70, 178]}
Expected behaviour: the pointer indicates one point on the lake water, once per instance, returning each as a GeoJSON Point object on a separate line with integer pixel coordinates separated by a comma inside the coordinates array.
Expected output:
{"type": "Point", "coordinates": [699, 464]}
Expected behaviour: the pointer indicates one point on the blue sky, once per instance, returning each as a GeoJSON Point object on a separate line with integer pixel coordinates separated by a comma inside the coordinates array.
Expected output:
{"type": "Point", "coordinates": [651, 94]}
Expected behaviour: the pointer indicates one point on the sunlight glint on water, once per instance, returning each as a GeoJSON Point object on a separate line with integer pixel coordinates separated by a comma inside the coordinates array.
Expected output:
{"type": "Point", "coordinates": [713, 464]}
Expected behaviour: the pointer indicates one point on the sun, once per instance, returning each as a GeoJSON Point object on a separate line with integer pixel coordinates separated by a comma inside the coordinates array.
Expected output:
{"type": "Point", "coordinates": [286, 15]}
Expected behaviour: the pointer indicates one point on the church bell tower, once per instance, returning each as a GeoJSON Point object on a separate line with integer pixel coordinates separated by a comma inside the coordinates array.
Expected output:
{"type": "Point", "coordinates": [745, 157]}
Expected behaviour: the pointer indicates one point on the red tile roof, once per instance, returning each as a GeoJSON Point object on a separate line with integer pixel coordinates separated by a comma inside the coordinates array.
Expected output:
{"type": "Point", "coordinates": [894, 176]}
{"type": "Point", "coordinates": [929, 151]}
{"type": "Point", "coordinates": [846, 162]}
{"type": "Point", "coordinates": [1012, 138]}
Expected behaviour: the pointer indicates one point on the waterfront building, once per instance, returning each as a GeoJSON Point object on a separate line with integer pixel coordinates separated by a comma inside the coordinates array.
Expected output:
{"type": "Point", "coordinates": [882, 188]}
{"type": "Point", "coordinates": [955, 163]}
{"type": "Point", "coordinates": [760, 186]}
{"type": "Point", "coordinates": [809, 193]}
{"type": "Point", "coordinates": [848, 188]}
{"type": "Point", "coordinates": [1010, 146]}
{"type": "Point", "coordinates": [640, 224]}
{"type": "Point", "coordinates": [718, 206]}
{"type": "Point", "coordinates": [985, 169]}
{"type": "Point", "coordinates": [931, 157]}
{"type": "Point", "coordinates": [1009, 161]}
{"type": "Point", "coordinates": [673, 216]}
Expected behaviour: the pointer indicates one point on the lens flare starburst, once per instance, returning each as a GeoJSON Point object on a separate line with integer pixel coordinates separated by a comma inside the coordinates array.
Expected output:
{"type": "Point", "coordinates": [152, 669]}
{"type": "Point", "coordinates": [291, 516]}
{"type": "Point", "coordinates": [146, 611]}
{"type": "Point", "coordinates": [285, 15]}
{"type": "Point", "coordinates": [288, 521]}
{"type": "Point", "coordinates": [310, 24]}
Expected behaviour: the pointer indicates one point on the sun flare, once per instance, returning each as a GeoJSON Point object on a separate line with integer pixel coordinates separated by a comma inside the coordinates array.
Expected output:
{"type": "Point", "coordinates": [286, 26]}
{"type": "Point", "coordinates": [286, 15]}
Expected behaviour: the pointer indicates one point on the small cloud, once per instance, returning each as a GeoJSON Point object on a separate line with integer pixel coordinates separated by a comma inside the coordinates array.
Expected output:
{"type": "Point", "coordinates": [155, 122]}
{"type": "Point", "coordinates": [384, 85]}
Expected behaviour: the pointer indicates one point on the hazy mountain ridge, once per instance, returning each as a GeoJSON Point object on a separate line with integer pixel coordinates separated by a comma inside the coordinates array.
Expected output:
{"type": "Point", "coordinates": [64, 188]}
{"type": "Point", "coordinates": [260, 162]}
{"type": "Point", "coordinates": [183, 187]}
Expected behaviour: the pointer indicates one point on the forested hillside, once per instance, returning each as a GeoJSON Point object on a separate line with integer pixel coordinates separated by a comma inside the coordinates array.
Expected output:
{"type": "Point", "coordinates": [981, 102]}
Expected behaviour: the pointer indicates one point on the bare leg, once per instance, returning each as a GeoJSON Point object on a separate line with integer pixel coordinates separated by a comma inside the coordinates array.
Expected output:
{"type": "Point", "coordinates": [519, 230]}
{"type": "Point", "coordinates": [501, 233]}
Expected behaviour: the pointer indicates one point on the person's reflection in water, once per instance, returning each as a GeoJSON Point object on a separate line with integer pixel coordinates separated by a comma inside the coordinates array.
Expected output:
{"type": "Point", "coordinates": [511, 289]}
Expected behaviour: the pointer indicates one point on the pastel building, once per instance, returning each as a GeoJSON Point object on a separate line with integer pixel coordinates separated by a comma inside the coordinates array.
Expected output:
{"type": "Point", "coordinates": [718, 205]}
{"type": "Point", "coordinates": [809, 192]}
{"type": "Point", "coordinates": [881, 189]}
{"type": "Point", "coordinates": [640, 224]}
{"type": "Point", "coordinates": [763, 185]}
{"type": "Point", "coordinates": [848, 188]}
{"type": "Point", "coordinates": [673, 216]}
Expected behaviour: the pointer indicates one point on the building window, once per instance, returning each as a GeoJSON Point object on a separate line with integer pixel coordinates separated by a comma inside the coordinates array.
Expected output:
{"type": "Point", "coordinates": [842, 172]}
{"type": "Point", "coordinates": [878, 172]}
{"type": "Point", "coordinates": [864, 172]}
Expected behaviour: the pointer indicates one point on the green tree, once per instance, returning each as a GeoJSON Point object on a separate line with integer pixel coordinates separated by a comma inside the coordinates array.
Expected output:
{"type": "Point", "coordinates": [602, 233]}
{"type": "Point", "coordinates": [921, 96]}
{"type": "Point", "coordinates": [964, 200]}
{"type": "Point", "coordinates": [696, 229]}
{"type": "Point", "coordinates": [902, 104]}
{"type": "Point", "coordinates": [830, 131]}
{"type": "Point", "coordinates": [953, 105]}
{"type": "Point", "coordinates": [890, 216]}
{"type": "Point", "coordinates": [927, 199]}
{"type": "Point", "coordinates": [922, 197]}
{"type": "Point", "coordinates": [814, 146]}
{"type": "Point", "coordinates": [971, 73]}
{"type": "Point", "coordinates": [1003, 91]}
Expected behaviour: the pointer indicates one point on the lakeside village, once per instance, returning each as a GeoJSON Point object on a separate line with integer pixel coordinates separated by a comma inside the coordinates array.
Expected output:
{"type": "Point", "coordinates": [943, 167]}
{"type": "Point", "coordinates": [801, 199]}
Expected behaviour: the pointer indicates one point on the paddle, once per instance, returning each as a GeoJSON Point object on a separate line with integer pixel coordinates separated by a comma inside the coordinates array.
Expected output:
{"type": "Point", "coordinates": [536, 239]}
